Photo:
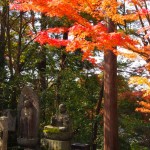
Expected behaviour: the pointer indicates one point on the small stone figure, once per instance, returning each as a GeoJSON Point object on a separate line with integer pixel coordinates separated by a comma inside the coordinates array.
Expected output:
{"type": "Point", "coordinates": [62, 120]}
{"type": "Point", "coordinates": [60, 127]}
{"type": "Point", "coordinates": [26, 119]}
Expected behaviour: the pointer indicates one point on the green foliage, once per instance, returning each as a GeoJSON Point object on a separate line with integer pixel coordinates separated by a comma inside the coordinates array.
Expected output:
{"type": "Point", "coordinates": [77, 89]}
{"type": "Point", "coordinates": [136, 146]}
{"type": "Point", "coordinates": [132, 128]}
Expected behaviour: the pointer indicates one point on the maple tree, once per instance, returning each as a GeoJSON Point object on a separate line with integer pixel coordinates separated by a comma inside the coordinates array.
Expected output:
{"type": "Point", "coordinates": [83, 32]}
{"type": "Point", "coordinates": [88, 35]}
{"type": "Point", "coordinates": [87, 32]}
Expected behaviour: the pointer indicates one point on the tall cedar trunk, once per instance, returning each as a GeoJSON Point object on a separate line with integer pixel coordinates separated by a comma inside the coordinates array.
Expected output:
{"type": "Point", "coordinates": [110, 98]}
{"type": "Point", "coordinates": [42, 63]}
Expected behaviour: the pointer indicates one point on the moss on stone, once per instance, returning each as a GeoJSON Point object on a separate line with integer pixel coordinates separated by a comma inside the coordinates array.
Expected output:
{"type": "Point", "coordinates": [51, 130]}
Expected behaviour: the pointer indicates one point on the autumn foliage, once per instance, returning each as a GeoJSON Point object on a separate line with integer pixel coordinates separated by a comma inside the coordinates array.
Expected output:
{"type": "Point", "coordinates": [144, 105]}
{"type": "Point", "coordinates": [85, 34]}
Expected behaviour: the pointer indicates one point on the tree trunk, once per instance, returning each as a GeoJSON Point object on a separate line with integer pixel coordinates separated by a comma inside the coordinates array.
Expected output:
{"type": "Point", "coordinates": [110, 98]}
{"type": "Point", "coordinates": [3, 16]}
{"type": "Point", "coordinates": [97, 112]}
{"type": "Point", "coordinates": [19, 51]}
{"type": "Point", "coordinates": [42, 63]}
{"type": "Point", "coordinates": [62, 68]}
{"type": "Point", "coordinates": [9, 43]}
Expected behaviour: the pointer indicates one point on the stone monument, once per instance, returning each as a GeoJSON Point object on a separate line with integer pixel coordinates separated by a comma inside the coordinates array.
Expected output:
{"type": "Point", "coordinates": [3, 132]}
{"type": "Point", "coordinates": [59, 133]}
{"type": "Point", "coordinates": [11, 114]}
{"type": "Point", "coordinates": [28, 118]}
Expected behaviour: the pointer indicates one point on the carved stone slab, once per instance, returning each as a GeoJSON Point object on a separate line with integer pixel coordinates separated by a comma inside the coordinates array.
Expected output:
{"type": "Point", "coordinates": [28, 118]}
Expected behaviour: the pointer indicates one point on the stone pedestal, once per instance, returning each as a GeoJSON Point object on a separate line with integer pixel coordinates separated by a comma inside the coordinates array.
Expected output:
{"type": "Point", "coordinates": [54, 133]}
{"type": "Point", "coordinates": [3, 132]}
{"type": "Point", "coordinates": [55, 144]}
{"type": "Point", "coordinates": [27, 142]}
{"type": "Point", "coordinates": [79, 146]}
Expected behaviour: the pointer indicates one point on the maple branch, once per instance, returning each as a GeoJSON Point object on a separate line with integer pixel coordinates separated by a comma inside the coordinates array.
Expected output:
{"type": "Point", "coordinates": [147, 16]}
{"type": "Point", "coordinates": [142, 23]}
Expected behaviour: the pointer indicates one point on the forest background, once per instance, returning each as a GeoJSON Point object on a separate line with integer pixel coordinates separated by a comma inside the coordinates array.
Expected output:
{"type": "Point", "coordinates": [75, 78]}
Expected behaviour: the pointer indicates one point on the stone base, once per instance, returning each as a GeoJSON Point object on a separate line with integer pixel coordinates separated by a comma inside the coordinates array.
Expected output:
{"type": "Point", "coordinates": [54, 133]}
{"type": "Point", "coordinates": [27, 142]}
{"type": "Point", "coordinates": [56, 145]}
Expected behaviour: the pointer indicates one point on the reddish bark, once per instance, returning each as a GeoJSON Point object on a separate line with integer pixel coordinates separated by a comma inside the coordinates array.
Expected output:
{"type": "Point", "coordinates": [110, 98]}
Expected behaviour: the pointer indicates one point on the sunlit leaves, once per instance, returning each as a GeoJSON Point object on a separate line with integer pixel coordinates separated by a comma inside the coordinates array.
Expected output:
{"type": "Point", "coordinates": [44, 38]}
{"type": "Point", "coordinates": [87, 39]}
{"type": "Point", "coordinates": [84, 34]}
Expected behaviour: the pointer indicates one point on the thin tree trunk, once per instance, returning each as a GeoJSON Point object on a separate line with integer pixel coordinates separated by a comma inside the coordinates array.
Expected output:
{"type": "Point", "coordinates": [42, 63]}
{"type": "Point", "coordinates": [110, 98]}
{"type": "Point", "coordinates": [62, 68]}
{"type": "Point", "coordinates": [3, 15]}
{"type": "Point", "coordinates": [9, 44]}
{"type": "Point", "coordinates": [18, 67]}
{"type": "Point", "coordinates": [2, 40]}
{"type": "Point", "coordinates": [97, 111]}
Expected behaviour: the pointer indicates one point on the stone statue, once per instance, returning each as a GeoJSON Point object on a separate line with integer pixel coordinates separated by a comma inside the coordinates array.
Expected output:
{"type": "Point", "coordinates": [62, 120]}
{"type": "Point", "coordinates": [60, 127]}
{"type": "Point", "coordinates": [28, 118]}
